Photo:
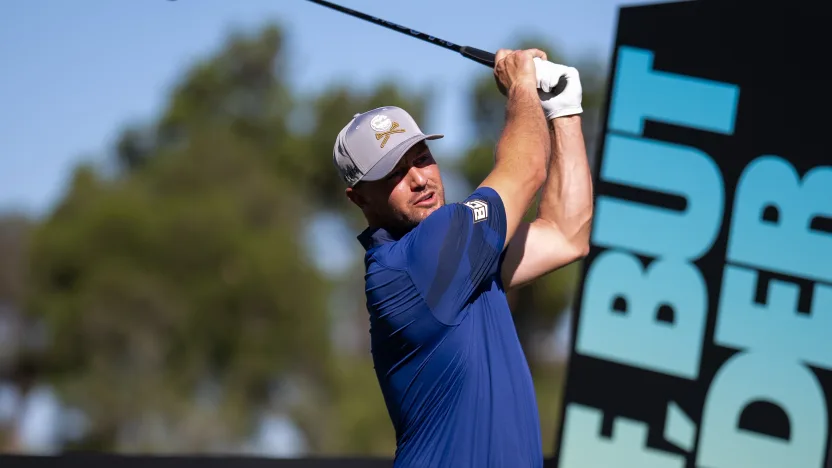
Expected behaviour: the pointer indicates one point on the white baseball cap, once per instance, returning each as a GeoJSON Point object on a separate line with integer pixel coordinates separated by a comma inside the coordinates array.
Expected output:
{"type": "Point", "coordinates": [371, 145]}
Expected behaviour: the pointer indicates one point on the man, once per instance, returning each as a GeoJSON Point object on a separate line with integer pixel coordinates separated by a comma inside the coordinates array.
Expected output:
{"type": "Point", "coordinates": [453, 374]}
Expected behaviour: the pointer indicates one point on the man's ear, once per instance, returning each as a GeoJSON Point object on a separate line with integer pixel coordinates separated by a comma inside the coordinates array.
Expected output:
{"type": "Point", "coordinates": [356, 197]}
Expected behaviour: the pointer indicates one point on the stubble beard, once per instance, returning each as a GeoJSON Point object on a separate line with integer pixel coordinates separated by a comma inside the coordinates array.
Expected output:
{"type": "Point", "coordinates": [403, 222]}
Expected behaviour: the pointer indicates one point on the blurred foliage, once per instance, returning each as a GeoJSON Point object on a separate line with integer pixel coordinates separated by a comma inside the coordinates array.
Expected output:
{"type": "Point", "coordinates": [178, 301]}
{"type": "Point", "coordinates": [14, 235]}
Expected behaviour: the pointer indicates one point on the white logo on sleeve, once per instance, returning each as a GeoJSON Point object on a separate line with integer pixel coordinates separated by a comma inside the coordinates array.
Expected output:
{"type": "Point", "coordinates": [480, 209]}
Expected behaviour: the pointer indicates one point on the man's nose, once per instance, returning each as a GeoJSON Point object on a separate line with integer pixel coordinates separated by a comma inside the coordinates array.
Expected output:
{"type": "Point", "coordinates": [417, 179]}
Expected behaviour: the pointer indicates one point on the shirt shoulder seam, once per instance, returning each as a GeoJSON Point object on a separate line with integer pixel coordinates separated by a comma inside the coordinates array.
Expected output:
{"type": "Point", "coordinates": [385, 265]}
{"type": "Point", "coordinates": [430, 309]}
{"type": "Point", "coordinates": [406, 271]}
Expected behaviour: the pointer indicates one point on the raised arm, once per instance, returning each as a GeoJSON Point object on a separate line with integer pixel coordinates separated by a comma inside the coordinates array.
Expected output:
{"type": "Point", "coordinates": [560, 233]}
{"type": "Point", "coordinates": [520, 166]}
{"type": "Point", "coordinates": [460, 245]}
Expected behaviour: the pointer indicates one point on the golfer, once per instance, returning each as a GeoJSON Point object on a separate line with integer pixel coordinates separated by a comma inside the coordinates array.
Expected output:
{"type": "Point", "coordinates": [453, 374]}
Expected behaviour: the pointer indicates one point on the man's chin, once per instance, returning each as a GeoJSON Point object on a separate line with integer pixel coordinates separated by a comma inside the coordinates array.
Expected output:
{"type": "Point", "coordinates": [419, 214]}
{"type": "Point", "coordinates": [426, 211]}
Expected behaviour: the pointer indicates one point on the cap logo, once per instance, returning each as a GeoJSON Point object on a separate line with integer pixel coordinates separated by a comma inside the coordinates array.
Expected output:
{"type": "Point", "coordinates": [385, 134]}
{"type": "Point", "coordinates": [381, 123]}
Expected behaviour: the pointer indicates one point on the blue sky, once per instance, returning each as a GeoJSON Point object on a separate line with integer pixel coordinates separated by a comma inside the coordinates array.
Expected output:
{"type": "Point", "coordinates": [76, 72]}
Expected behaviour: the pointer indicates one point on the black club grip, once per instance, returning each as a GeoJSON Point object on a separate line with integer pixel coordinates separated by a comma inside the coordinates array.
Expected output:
{"type": "Point", "coordinates": [477, 55]}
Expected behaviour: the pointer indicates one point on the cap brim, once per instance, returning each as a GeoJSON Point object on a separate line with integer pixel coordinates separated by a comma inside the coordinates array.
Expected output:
{"type": "Point", "coordinates": [391, 159]}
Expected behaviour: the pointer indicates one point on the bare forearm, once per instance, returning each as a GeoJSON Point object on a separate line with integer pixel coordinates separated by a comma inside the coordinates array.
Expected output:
{"type": "Point", "coordinates": [520, 167]}
{"type": "Point", "coordinates": [524, 145]}
{"type": "Point", "coordinates": [566, 198]}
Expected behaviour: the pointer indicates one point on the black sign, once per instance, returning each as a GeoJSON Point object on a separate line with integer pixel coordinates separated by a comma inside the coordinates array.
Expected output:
{"type": "Point", "coordinates": [703, 327]}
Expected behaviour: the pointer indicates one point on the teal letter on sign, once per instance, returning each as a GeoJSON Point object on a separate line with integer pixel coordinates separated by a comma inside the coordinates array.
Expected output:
{"type": "Point", "coordinates": [772, 224]}
{"type": "Point", "coordinates": [584, 447]}
{"type": "Point", "coordinates": [775, 326]}
{"type": "Point", "coordinates": [642, 93]}
{"type": "Point", "coordinates": [772, 377]}
{"type": "Point", "coordinates": [661, 167]}
{"type": "Point", "coordinates": [632, 334]}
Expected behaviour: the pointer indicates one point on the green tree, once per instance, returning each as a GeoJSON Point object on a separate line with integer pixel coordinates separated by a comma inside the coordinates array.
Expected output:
{"type": "Point", "coordinates": [17, 365]}
{"type": "Point", "coordinates": [184, 273]}
{"type": "Point", "coordinates": [14, 237]}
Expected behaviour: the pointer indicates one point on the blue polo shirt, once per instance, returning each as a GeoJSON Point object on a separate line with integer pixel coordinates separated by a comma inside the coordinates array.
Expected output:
{"type": "Point", "coordinates": [453, 374]}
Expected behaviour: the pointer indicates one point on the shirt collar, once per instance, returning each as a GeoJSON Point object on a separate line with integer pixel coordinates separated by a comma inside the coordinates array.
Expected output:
{"type": "Point", "coordinates": [374, 237]}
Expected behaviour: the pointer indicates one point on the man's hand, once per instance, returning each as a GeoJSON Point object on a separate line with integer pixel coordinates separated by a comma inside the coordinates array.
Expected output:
{"type": "Point", "coordinates": [567, 102]}
{"type": "Point", "coordinates": [516, 68]}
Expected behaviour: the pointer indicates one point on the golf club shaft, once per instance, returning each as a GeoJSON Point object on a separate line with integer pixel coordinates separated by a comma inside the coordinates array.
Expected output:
{"type": "Point", "coordinates": [480, 56]}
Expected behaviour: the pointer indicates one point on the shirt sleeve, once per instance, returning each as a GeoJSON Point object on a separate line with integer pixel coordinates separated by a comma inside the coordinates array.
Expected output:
{"type": "Point", "coordinates": [455, 250]}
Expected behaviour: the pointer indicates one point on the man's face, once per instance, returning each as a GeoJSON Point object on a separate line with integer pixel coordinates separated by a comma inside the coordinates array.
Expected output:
{"type": "Point", "coordinates": [410, 192]}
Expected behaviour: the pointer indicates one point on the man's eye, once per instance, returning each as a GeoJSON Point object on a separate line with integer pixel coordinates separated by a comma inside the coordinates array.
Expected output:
{"type": "Point", "coordinates": [423, 161]}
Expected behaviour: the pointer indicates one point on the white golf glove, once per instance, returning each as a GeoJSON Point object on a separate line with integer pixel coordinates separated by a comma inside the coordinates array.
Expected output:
{"type": "Point", "coordinates": [567, 102]}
